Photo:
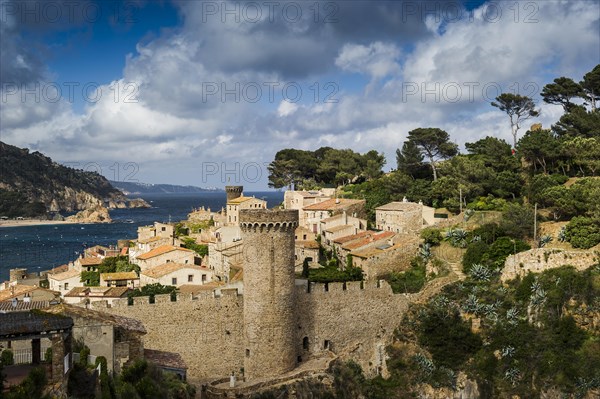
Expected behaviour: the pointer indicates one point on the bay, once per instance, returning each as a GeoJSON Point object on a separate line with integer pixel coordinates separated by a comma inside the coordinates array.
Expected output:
{"type": "Point", "coordinates": [39, 248]}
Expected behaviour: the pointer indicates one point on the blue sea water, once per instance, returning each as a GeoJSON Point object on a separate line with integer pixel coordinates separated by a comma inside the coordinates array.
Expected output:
{"type": "Point", "coordinates": [43, 247]}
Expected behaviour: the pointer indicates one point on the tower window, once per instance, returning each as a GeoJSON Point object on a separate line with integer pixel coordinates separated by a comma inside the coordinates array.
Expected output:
{"type": "Point", "coordinates": [305, 343]}
{"type": "Point", "coordinates": [326, 344]}
{"type": "Point", "coordinates": [247, 352]}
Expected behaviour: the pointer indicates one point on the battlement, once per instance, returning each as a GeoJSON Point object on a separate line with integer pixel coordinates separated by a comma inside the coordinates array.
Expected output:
{"type": "Point", "coordinates": [253, 219]}
{"type": "Point", "coordinates": [234, 189]}
{"type": "Point", "coordinates": [226, 295]}
{"type": "Point", "coordinates": [355, 287]}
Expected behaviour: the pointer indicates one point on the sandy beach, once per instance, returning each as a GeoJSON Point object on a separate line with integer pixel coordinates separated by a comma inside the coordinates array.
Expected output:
{"type": "Point", "coordinates": [30, 222]}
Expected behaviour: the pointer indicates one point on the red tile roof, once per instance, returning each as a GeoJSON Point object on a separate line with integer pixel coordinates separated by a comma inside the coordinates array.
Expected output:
{"type": "Point", "coordinates": [333, 204]}
{"type": "Point", "coordinates": [163, 249]}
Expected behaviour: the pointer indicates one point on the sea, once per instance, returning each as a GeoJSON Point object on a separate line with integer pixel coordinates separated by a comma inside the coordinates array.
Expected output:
{"type": "Point", "coordinates": [40, 248]}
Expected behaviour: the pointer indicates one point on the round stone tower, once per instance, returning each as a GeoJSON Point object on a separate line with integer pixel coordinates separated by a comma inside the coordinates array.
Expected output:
{"type": "Point", "coordinates": [269, 319]}
{"type": "Point", "coordinates": [233, 192]}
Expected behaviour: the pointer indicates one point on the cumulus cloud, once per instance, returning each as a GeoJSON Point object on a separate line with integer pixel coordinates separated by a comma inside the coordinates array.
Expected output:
{"type": "Point", "coordinates": [193, 86]}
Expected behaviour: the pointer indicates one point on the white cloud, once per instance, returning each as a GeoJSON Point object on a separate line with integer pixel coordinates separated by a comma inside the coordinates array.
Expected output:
{"type": "Point", "coordinates": [286, 108]}
{"type": "Point", "coordinates": [177, 121]}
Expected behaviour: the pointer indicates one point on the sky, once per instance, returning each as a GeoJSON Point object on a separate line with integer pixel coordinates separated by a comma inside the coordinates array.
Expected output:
{"type": "Point", "coordinates": [206, 92]}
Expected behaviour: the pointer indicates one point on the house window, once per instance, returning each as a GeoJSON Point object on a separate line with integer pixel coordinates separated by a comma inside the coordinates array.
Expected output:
{"type": "Point", "coordinates": [174, 281]}
{"type": "Point", "coordinates": [190, 278]}
{"type": "Point", "coordinates": [66, 286]}
{"type": "Point", "coordinates": [163, 229]}
{"type": "Point", "coordinates": [186, 261]}
{"type": "Point", "coordinates": [203, 278]}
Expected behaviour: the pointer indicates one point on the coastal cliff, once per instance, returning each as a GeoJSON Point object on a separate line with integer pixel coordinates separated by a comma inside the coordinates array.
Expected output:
{"type": "Point", "coordinates": [59, 188]}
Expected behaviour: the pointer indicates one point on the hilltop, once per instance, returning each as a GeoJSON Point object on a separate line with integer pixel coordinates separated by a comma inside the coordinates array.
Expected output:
{"type": "Point", "coordinates": [146, 188]}
{"type": "Point", "coordinates": [32, 184]}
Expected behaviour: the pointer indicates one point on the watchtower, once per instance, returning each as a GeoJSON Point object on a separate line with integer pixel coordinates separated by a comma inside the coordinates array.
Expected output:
{"type": "Point", "coordinates": [269, 319]}
{"type": "Point", "coordinates": [233, 192]}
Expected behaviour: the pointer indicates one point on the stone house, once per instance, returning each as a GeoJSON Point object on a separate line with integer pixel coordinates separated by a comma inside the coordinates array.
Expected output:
{"type": "Point", "coordinates": [117, 338]}
{"type": "Point", "coordinates": [163, 230]}
{"type": "Point", "coordinates": [403, 217]}
{"type": "Point", "coordinates": [222, 256]}
{"type": "Point", "coordinates": [361, 241]}
{"type": "Point", "coordinates": [89, 264]}
{"type": "Point", "coordinates": [306, 249]}
{"type": "Point", "coordinates": [100, 251]}
{"type": "Point", "coordinates": [176, 274]}
{"type": "Point", "coordinates": [120, 279]}
{"type": "Point", "coordinates": [65, 281]}
{"type": "Point", "coordinates": [300, 199]}
{"type": "Point", "coordinates": [340, 225]}
{"type": "Point", "coordinates": [165, 254]}
{"type": "Point", "coordinates": [235, 205]}
{"type": "Point", "coordinates": [315, 213]}
{"type": "Point", "coordinates": [87, 295]}
{"type": "Point", "coordinates": [26, 293]}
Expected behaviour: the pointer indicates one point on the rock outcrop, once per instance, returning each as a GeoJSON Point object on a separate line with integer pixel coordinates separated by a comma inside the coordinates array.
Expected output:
{"type": "Point", "coordinates": [95, 214]}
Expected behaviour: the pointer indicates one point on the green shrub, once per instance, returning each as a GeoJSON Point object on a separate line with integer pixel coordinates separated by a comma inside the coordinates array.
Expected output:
{"type": "Point", "coordinates": [7, 357]}
{"type": "Point", "coordinates": [583, 232]}
{"type": "Point", "coordinates": [409, 281]}
{"type": "Point", "coordinates": [474, 254]}
{"type": "Point", "coordinates": [432, 236]}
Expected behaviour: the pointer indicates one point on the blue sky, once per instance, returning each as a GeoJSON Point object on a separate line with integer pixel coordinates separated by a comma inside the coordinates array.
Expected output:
{"type": "Point", "coordinates": [186, 85]}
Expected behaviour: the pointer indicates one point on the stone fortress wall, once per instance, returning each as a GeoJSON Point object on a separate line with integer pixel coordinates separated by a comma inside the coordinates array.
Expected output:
{"type": "Point", "coordinates": [279, 322]}
{"type": "Point", "coordinates": [357, 321]}
{"type": "Point", "coordinates": [539, 259]}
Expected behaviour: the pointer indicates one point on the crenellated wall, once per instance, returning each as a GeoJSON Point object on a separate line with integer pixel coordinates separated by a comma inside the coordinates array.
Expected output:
{"type": "Point", "coordinates": [357, 319]}
{"type": "Point", "coordinates": [205, 330]}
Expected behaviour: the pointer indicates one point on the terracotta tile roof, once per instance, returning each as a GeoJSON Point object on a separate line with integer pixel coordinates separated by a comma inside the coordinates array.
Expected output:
{"type": "Point", "coordinates": [339, 228]}
{"type": "Point", "coordinates": [152, 239]}
{"type": "Point", "coordinates": [168, 268]}
{"type": "Point", "coordinates": [170, 360]}
{"type": "Point", "coordinates": [119, 276]}
{"type": "Point", "coordinates": [196, 288]}
{"type": "Point", "coordinates": [126, 323]}
{"type": "Point", "coordinates": [239, 200]}
{"type": "Point", "coordinates": [15, 290]}
{"type": "Point", "coordinates": [59, 269]}
{"type": "Point", "coordinates": [308, 244]}
{"type": "Point", "coordinates": [64, 275]}
{"type": "Point", "coordinates": [98, 292]}
{"type": "Point", "coordinates": [399, 206]}
{"type": "Point", "coordinates": [7, 306]}
{"type": "Point", "coordinates": [89, 261]}
{"type": "Point", "coordinates": [333, 204]}
{"type": "Point", "coordinates": [163, 249]}
{"type": "Point", "coordinates": [367, 240]}
{"type": "Point", "coordinates": [345, 239]}
{"type": "Point", "coordinates": [367, 253]}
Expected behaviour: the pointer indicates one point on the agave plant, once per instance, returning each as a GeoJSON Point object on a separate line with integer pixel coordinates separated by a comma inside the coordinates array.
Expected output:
{"type": "Point", "coordinates": [538, 294]}
{"type": "Point", "coordinates": [480, 272]}
{"type": "Point", "coordinates": [512, 375]}
{"type": "Point", "coordinates": [471, 305]}
{"type": "Point", "coordinates": [562, 235]}
{"type": "Point", "coordinates": [425, 252]}
{"type": "Point", "coordinates": [508, 351]}
{"type": "Point", "coordinates": [544, 240]}
{"type": "Point", "coordinates": [425, 364]}
{"type": "Point", "coordinates": [469, 214]}
{"type": "Point", "coordinates": [512, 315]}
{"type": "Point", "coordinates": [457, 237]}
